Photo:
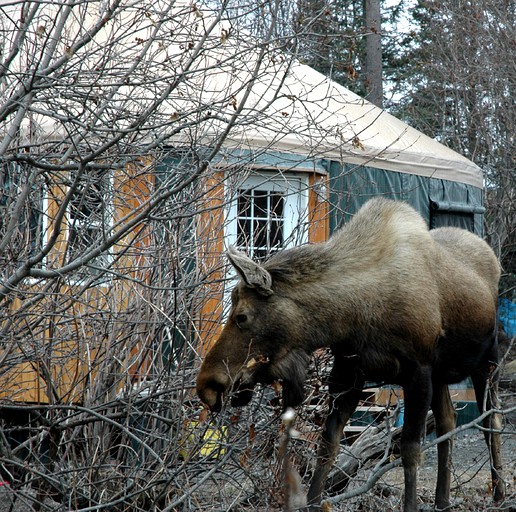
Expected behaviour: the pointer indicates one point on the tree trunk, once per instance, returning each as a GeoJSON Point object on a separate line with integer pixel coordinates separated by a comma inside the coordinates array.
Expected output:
{"type": "Point", "coordinates": [373, 65]}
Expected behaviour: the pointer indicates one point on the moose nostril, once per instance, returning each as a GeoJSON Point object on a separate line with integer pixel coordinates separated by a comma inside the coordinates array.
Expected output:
{"type": "Point", "coordinates": [210, 391]}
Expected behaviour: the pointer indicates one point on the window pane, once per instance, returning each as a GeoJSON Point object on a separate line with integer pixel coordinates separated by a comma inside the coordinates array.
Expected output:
{"type": "Point", "coordinates": [81, 238]}
{"type": "Point", "coordinates": [260, 234]}
{"type": "Point", "coordinates": [244, 232]}
{"type": "Point", "coordinates": [244, 203]}
{"type": "Point", "coordinates": [276, 234]}
{"type": "Point", "coordinates": [277, 202]}
{"type": "Point", "coordinates": [261, 203]}
{"type": "Point", "coordinates": [89, 203]}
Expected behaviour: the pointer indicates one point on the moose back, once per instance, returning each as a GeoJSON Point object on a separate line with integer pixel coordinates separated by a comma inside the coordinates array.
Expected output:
{"type": "Point", "coordinates": [395, 303]}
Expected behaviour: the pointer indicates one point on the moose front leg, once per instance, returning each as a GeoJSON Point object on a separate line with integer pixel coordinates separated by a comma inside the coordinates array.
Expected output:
{"type": "Point", "coordinates": [344, 388]}
{"type": "Point", "coordinates": [417, 390]}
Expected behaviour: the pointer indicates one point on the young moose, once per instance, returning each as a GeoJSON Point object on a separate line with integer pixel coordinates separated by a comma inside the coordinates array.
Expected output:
{"type": "Point", "coordinates": [395, 302]}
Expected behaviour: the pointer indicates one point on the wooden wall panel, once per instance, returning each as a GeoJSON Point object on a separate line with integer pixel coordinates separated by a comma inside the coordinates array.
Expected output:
{"type": "Point", "coordinates": [210, 233]}
{"type": "Point", "coordinates": [55, 361]}
{"type": "Point", "coordinates": [318, 208]}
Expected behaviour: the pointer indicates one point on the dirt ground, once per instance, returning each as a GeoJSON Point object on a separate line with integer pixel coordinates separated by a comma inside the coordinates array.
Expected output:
{"type": "Point", "coordinates": [471, 479]}
{"type": "Point", "coordinates": [471, 484]}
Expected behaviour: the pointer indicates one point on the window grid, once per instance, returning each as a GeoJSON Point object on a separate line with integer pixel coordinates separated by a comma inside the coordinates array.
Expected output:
{"type": "Point", "coordinates": [260, 221]}
{"type": "Point", "coordinates": [90, 216]}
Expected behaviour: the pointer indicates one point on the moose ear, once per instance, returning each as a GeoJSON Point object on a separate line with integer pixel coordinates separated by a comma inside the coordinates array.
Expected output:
{"type": "Point", "coordinates": [252, 274]}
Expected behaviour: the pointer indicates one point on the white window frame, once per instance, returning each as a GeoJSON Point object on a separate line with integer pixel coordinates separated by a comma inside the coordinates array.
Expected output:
{"type": "Point", "coordinates": [105, 224]}
{"type": "Point", "coordinates": [295, 212]}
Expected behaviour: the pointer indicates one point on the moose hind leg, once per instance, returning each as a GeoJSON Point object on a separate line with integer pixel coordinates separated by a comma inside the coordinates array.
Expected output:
{"type": "Point", "coordinates": [417, 396]}
{"type": "Point", "coordinates": [485, 382]}
{"type": "Point", "coordinates": [344, 388]}
{"type": "Point", "coordinates": [445, 420]}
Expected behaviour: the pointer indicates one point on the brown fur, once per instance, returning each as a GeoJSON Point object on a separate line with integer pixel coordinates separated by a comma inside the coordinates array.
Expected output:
{"type": "Point", "coordinates": [394, 301]}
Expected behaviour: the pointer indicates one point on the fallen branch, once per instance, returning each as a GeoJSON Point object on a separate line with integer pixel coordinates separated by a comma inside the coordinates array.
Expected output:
{"type": "Point", "coordinates": [375, 445]}
{"type": "Point", "coordinates": [380, 444]}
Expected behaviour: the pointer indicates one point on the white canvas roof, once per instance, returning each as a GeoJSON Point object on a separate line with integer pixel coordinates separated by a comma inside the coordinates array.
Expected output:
{"type": "Point", "coordinates": [278, 103]}
{"type": "Point", "coordinates": [296, 109]}
{"type": "Point", "coordinates": [320, 117]}
{"type": "Point", "coordinates": [306, 113]}
{"type": "Point", "coordinates": [293, 108]}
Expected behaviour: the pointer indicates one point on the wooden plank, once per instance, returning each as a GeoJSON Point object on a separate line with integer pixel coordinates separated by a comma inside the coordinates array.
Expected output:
{"type": "Point", "coordinates": [210, 230]}
{"type": "Point", "coordinates": [318, 208]}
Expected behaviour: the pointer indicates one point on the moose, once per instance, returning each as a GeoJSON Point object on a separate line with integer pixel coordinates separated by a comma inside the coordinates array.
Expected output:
{"type": "Point", "coordinates": [396, 303]}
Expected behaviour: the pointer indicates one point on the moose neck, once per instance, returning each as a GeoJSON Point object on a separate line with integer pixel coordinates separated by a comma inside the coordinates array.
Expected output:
{"type": "Point", "coordinates": [334, 294]}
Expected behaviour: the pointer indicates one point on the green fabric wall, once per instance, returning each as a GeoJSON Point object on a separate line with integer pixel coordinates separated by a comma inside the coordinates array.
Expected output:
{"type": "Point", "coordinates": [440, 202]}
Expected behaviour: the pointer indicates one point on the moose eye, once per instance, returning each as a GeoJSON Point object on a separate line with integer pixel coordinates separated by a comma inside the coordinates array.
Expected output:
{"type": "Point", "coordinates": [241, 319]}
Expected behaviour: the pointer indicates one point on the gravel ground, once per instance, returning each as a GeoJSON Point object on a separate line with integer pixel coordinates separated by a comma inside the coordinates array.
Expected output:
{"type": "Point", "coordinates": [471, 478]}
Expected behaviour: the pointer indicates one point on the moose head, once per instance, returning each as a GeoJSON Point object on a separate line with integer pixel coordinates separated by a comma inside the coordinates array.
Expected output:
{"type": "Point", "coordinates": [260, 343]}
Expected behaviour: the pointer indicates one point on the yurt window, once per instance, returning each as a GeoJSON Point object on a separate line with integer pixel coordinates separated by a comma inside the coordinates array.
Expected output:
{"type": "Point", "coordinates": [268, 213]}
{"type": "Point", "coordinates": [90, 216]}
{"type": "Point", "coordinates": [260, 221]}
{"type": "Point", "coordinates": [461, 215]}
